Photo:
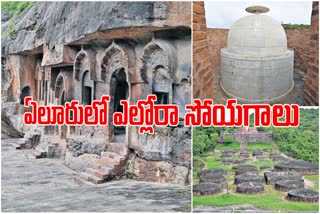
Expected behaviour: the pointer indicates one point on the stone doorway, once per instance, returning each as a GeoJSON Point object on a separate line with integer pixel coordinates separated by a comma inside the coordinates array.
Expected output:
{"type": "Point", "coordinates": [26, 91]}
{"type": "Point", "coordinates": [87, 89]}
{"type": "Point", "coordinates": [119, 90]}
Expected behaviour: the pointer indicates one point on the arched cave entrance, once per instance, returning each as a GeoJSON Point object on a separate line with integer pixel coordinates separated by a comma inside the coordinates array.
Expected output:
{"type": "Point", "coordinates": [26, 91]}
{"type": "Point", "coordinates": [87, 89]}
{"type": "Point", "coordinates": [119, 90]}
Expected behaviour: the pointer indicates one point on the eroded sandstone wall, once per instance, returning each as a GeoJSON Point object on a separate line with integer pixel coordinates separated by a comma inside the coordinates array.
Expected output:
{"type": "Point", "coordinates": [311, 96]}
{"type": "Point", "coordinates": [202, 68]}
{"type": "Point", "coordinates": [80, 51]}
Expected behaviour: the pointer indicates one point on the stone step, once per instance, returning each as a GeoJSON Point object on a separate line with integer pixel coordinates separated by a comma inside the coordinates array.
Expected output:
{"type": "Point", "coordinates": [104, 163]}
{"type": "Point", "coordinates": [91, 178]}
{"type": "Point", "coordinates": [102, 173]}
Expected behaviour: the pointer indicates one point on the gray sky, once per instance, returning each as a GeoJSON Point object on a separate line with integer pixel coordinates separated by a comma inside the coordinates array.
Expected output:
{"type": "Point", "coordinates": [222, 14]}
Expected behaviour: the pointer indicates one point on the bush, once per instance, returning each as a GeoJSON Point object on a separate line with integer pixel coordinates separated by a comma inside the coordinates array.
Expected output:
{"type": "Point", "coordinates": [15, 8]}
{"type": "Point", "coordinates": [228, 140]}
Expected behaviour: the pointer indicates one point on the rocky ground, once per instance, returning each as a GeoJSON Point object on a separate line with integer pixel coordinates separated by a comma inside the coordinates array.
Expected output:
{"type": "Point", "coordinates": [33, 185]}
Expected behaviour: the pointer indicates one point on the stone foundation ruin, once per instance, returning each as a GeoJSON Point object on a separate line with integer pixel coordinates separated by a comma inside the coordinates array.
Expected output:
{"type": "Point", "coordinates": [126, 50]}
{"type": "Point", "coordinates": [300, 166]}
{"type": "Point", "coordinates": [303, 195]}
{"type": "Point", "coordinates": [287, 185]}
{"type": "Point", "coordinates": [242, 169]}
{"type": "Point", "coordinates": [273, 177]}
{"type": "Point", "coordinates": [248, 177]}
{"type": "Point", "coordinates": [206, 189]}
{"type": "Point", "coordinates": [250, 188]}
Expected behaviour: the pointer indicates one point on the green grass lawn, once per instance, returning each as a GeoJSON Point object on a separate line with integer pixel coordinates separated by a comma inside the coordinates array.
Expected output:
{"type": "Point", "coordinates": [235, 145]}
{"type": "Point", "coordinates": [271, 201]}
{"type": "Point", "coordinates": [258, 145]}
{"type": "Point", "coordinates": [315, 179]}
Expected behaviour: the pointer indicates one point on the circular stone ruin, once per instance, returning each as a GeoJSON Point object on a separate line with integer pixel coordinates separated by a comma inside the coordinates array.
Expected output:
{"type": "Point", "coordinates": [303, 195]}
{"type": "Point", "coordinates": [248, 177]}
{"type": "Point", "coordinates": [261, 159]}
{"type": "Point", "coordinates": [241, 169]}
{"type": "Point", "coordinates": [287, 185]}
{"type": "Point", "coordinates": [300, 166]}
{"type": "Point", "coordinates": [273, 177]}
{"type": "Point", "coordinates": [243, 161]}
{"type": "Point", "coordinates": [256, 152]}
{"type": "Point", "coordinates": [227, 155]}
{"type": "Point", "coordinates": [244, 155]}
{"type": "Point", "coordinates": [207, 189]}
{"type": "Point", "coordinates": [250, 187]}
{"type": "Point", "coordinates": [257, 66]}
{"type": "Point", "coordinates": [226, 161]}
{"type": "Point", "coordinates": [214, 178]}
{"type": "Point", "coordinates": [212, 171]}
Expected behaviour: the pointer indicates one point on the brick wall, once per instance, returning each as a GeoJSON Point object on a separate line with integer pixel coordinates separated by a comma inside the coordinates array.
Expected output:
{"type": "Point", "coordinates": [265, 137]}
{"type": "Point", "coordinates": [202, 69]}
{"type": "Point", "coordinates": [298, 40]}
{"type": "Point", "coordinates": [311, 96]}
{"type": "Point", "coordinates": [217, 39]}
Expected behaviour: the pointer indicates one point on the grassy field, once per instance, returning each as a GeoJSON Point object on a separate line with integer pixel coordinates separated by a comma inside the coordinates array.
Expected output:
{"type": "Point", "coordinates": [271, 199]}
{"type": "Point", "coordinates": [315, 179]}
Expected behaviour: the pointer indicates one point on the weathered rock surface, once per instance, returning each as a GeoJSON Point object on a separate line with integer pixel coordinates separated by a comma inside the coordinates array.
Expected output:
{"type": "Point", "coordinates": [7, 128]}
{"type": "Point", "coordinates": [248, 177]}
{"type": "Point", "coordinates": [157, 171]}
{"type": "Point", "coordinates": [250, 187]}
{"type": "Point", "coordinates": [217, 178]}
{"type": "Point", "coordinates": [273, 177]}
{"type": "Point", "coordinates": [206, 189]}
{"type": "Point", "coordinates": [80, 163]}
{"type": "Point", "coordinates": [299, 166]}
{"type": "Point", "coordinates": [303, 195]}
{"type": "Point", "coordinates": [78, 146]}
{"type": "Point", "coordinates": [287, 185]}
{"type": "Point", "coordinates": [241, 169]}
{"type": "Point", "coordinates": [212, 171]}
{"type": "Point", "coordinates": [53, 23]}
{"type": "Point", "coordinates": [167, 144]}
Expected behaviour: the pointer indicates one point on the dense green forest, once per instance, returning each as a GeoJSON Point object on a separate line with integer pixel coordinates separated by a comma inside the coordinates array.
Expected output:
{"type": "Point", "coordinates": [205, 138]}
{"type": "Point", "coordinates": [14, 8]}
{"type": "Point", "coordinates": [301, 142]}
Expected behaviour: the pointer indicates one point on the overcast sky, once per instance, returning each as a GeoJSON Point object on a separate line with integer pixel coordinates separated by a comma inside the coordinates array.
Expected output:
{"type": "Point", "coordinates": [222, 14]}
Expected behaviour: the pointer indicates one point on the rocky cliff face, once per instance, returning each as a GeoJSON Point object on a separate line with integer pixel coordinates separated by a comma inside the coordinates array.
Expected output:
{"type": "Point", "coordinates": [50, 49]}
{"type": "Point", "coordinates": [52, 23]}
